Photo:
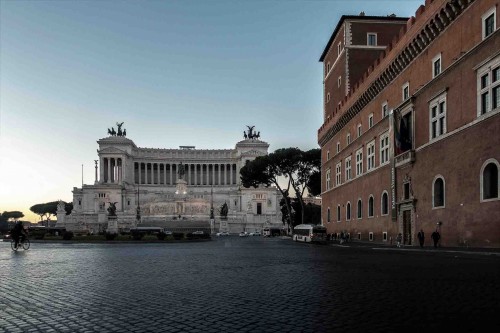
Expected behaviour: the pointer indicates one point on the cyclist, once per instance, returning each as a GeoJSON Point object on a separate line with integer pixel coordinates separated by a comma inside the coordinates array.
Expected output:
{"type": "Point", "coordinates": [18, 232]}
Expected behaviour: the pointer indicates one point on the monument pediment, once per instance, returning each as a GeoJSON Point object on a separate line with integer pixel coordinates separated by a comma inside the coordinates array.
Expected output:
{"type": "Point", "coordinates": [116, 140]}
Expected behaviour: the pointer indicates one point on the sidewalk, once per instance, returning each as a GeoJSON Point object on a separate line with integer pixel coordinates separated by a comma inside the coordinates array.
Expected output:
{"type": "Point", "coordinates": [357, 243]}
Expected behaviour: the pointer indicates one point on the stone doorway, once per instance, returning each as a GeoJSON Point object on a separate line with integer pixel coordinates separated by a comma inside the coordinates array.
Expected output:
{"type": "Point", "coordinates": [407, 227]}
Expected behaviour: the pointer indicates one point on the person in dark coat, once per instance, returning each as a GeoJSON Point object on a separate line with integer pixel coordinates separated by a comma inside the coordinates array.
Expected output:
{"type": "Point", "coordinates": [18, 233]}
{"type": "Point", "coordinates": [436, 237]}
{"type": "Point", "coordinates": [421, 237]}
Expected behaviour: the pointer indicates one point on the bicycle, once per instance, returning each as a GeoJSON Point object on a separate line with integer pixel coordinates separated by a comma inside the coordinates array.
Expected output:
{"type": "Point", "coordinates": [23, 243]}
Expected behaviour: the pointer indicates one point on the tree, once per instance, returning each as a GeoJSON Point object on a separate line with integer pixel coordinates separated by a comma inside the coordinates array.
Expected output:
{"type": "Point", "coordinates": [45, 210]}
{"type": "Point", "coordinates": [266, 170]}
{"type": "Point", "coordinates": [6, 216]}
{"type": "Point", "coordinates": [299, 168]}
{"type": "Point", "coordinates": [314, 184]}
{"type": "Point", "coordinates": [305, 165]}
{"type": "Point", "coordinates": [284, 211]}
{"type": "Point", "coordinates": [4, 226]}
{"type": "Point", "coordinates": [312, 213]}
{"type": "Point", "coordinates": [14, 215]}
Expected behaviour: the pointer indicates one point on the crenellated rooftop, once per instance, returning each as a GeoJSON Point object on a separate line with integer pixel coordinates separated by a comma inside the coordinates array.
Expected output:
{"type": "Point", "coordinates": [427, 24]}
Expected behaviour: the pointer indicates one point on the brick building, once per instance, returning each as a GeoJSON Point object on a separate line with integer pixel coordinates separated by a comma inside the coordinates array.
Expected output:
{"type": "Point", "coordinates": [410, 138]}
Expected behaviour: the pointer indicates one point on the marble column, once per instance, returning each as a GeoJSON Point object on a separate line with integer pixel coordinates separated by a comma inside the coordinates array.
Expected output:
{"type": "Point", "coordinates": [170, 174]}
{"type": "Point", "coordinates": [195, 174]}
{"type": "Point", "coordinates": [101, 171]}
{"type": "Point", "coordinates": [108, 180]}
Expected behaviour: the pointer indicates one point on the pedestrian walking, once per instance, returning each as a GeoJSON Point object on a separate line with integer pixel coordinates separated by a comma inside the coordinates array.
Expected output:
{"type": "Point", "coordinates": [436, 237]}
{"type": "Point", "coordinates": [399, 239]}
{"type": "Point", "coordinates": [421, 237]}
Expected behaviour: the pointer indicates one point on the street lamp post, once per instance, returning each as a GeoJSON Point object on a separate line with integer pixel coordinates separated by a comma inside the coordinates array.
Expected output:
{"type": "Point", "coordinates": [138, 209]}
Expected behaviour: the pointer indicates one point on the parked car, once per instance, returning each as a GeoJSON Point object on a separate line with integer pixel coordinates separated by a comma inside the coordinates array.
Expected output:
{"type": "Point", "coordinates": [198, 232]}
{"type": "Point", "coordinates": [243, 234]}
{"type": "Point", "coordinates": [255, 233]}
{"type": "Point", "coordinates": [223, 233]}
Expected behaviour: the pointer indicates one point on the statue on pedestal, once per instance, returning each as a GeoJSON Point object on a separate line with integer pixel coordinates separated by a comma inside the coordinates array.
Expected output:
{"type": "Point", "coordinates": [112, 209]}
{"type": "Point", "coordinates": [61, 206]}
{"type": "Point", "coordinates": [251, 134]}
{"type": "Point", "coordinates": [119, 133]}
{"type": "Point", "coordinates": [112, 131]}
{"type": "Point", "coordinates": [223, 211]}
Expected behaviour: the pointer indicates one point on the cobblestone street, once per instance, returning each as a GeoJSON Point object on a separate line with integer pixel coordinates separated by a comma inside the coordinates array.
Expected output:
{"type": "Point", "coordinates": [250, 284]}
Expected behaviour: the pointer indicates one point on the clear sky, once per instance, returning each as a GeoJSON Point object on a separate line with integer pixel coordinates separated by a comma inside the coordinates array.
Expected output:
{"type": "Point", "coordinates": [175, 72]}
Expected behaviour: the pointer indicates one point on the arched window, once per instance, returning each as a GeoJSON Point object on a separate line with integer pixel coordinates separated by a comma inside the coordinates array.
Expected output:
{"type": "Point", "coordinates": [360, 209]}
{"type": "Point", "coordinates": [348, 211]}
{"type": "Point", "coordinates": [438, 192]}
{"type": "Point", "coordinates": [489, 180]}
{"type": "Point", "coordinates": [385, 203]}
{"type": "Point", "coordinates": [328, 215]}
{"type": "Point", "coordinates": [338, 213]}
{"type": "Point", "coordinates": [370, 207]}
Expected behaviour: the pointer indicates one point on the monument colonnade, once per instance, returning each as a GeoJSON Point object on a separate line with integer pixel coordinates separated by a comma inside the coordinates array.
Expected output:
{"type": "Point", "coordinates": [111, 170]}
{"type": "Point", "coordinates": [157, 173]}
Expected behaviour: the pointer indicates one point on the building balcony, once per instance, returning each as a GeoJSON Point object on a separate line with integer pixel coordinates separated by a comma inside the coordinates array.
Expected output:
{"type": "Point", "coordinates": [405, 158]}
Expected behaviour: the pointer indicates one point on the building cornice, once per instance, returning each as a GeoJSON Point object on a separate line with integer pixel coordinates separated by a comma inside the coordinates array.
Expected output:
{"type": "Point", "coordinates": [357, 18]}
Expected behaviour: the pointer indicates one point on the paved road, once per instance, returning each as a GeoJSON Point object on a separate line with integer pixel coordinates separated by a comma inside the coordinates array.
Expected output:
{"type": "Point", "coordinates": [252, 284]}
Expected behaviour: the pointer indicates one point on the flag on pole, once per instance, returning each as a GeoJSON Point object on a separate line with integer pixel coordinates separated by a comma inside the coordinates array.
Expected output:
{"type": "Point", "coordinates": [397, 135]}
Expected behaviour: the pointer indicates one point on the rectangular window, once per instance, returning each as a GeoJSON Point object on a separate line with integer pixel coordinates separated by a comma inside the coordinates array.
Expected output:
{"type": "Point", "coordinates": [385, 109]}
{"type": "Point", "coordinates": [437, 117]}
{"type": "Point", "coordinates": [359, 130]}
{"type": "Point", "coordinates": [371, 39]}
{"type": "Point", "coordinates": [338, 147]}
{"type": "Point", "coordinates": [348, 168]}
{"type": "Point", "coordinates": [339, 81]}
{"type": "Point", "coordinates": [328, 179]}
{"type": "Point", "coordinates": [327, 155]}
{"type": "Point", "coordinates": [488, 83]}
{"type": "Point", "coordinates": [406, 91]}
{"type": "Point", "coordinates": [328, 97]}
{"type": "Point", "coordinates": [489, 22]}
{"type": "Point", "coordinates": [359, 162]}
{"type": "Point", "coordinates": [436, 65]}
{"type": "Point", "coordinates": [338, 174]}
{"type": "Point", "coordinates": [406, 191]}
{"type": "Point", "coordinates": [370, 120]}
{"type": "Point", "coordinates": [339, 48]}
{"type": "Point", "coordinates": [348, 138]}
{"type": "Point", "coordinates": [338, 213]}
{"type": "Point", "coordinates": [370, 148]}
{"type": "Point", "coordinates": [384, 149]}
